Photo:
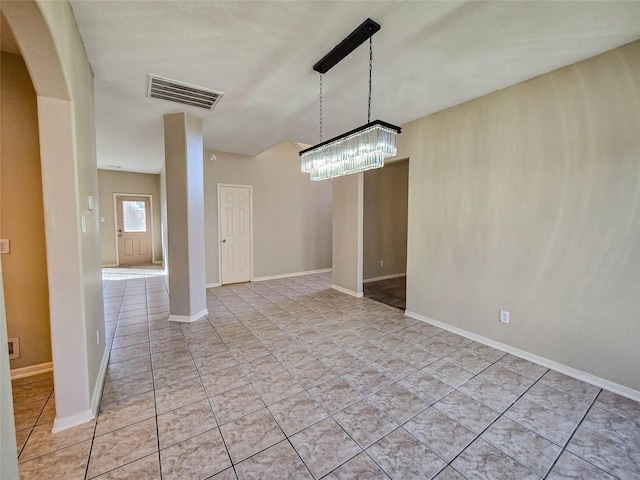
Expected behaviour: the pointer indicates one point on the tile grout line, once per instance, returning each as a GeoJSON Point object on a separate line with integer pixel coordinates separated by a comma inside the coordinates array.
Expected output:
{"type": "Point", "coordinates": [329, 415]}
{"type": "Point", "coordinates": [306, 389]}
{"type": "Point", "coordinates": [124, 294]}
{"type": "Point", "coordinates": [286, 437]}
{"type": "Point", "coordinates": [401, 425]}
{"type": "Point", "coordinates": [566, 443]}
{"type": "Point", "coordinates": [562, 447]}
{"type": "Point", "coordinates": [263, 341]}
{"type": "Point", "coordinates": [492, 382]}
{"type": "Point", "coordinates": [153, 379]}
{"type": "Point", "coordinates": [233, 464]}
{"type": "Point", "coordinates": [33, 427]}
{"type": "Point", "coordinates": [213, 413]}
{"type": "Point", "coordinates": [95, 427]}
{"type": "Point", "coordinates": [493, 422]}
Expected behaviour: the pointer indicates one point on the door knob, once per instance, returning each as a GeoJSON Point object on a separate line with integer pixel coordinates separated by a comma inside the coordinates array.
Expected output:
{"type": "Point", "coordinates": [224, 241]}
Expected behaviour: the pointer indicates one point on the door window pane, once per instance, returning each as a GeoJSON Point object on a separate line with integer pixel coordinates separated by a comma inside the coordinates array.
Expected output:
{"type": "Point", "coordinates": [134, 216]}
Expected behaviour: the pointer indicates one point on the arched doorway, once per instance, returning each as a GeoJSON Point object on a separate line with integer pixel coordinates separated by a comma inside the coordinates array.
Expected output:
{"type": "Point", "coordinates": [57, 64]}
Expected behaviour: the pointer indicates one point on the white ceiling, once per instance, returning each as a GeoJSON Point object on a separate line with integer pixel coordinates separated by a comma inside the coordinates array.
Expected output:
{"type": "Point", "coordinates": [427, 56]}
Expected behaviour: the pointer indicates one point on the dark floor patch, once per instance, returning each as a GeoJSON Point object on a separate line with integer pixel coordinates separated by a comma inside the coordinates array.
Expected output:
{"type": "Point", "coordinates": [391, 292]}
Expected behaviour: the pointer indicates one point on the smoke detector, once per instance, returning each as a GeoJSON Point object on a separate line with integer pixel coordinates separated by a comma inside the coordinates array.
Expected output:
{"type": "Point", "coordinates": [183, 93]}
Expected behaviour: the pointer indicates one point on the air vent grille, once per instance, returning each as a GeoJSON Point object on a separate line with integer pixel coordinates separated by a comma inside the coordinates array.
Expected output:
{"type": "Point", "coordinates": [183, 93]}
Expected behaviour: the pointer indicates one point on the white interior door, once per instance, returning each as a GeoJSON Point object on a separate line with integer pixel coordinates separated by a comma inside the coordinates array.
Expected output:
{"type": "Point", "coordinates": [234, 212]}
{"type": "Point", "coordinates": [134, 230]}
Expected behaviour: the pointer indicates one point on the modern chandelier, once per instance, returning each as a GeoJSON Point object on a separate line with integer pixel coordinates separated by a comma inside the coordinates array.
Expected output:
{"type": "Point", "coordinates": [358, 150]}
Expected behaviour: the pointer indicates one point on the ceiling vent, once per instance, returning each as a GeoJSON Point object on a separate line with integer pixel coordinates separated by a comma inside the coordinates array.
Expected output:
{"type": "Point", "coordinates": [183, 93]}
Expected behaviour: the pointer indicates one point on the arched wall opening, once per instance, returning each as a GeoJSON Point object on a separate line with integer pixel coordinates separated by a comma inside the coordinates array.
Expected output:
{"type": "Point", "coordinates": [55, 58]}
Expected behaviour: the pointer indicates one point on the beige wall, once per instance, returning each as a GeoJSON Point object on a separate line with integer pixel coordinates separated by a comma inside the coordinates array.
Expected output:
{"type": "Point", "coordinates": [291, 214]}
{"type": "Point", "coordinates": [22, 217]}
{"type": "Point", "coordinates": [348, 207]}
{"type": "Point", "coordinates": [385, 220]}
{"type": "Point", "coordinates": [528, 200]}
{"type": "Point", "coordinates": [111, 182]}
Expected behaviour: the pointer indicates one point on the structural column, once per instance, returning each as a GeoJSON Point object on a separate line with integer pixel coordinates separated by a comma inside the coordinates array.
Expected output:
{"type": "Point", "coordinates": [348, 218]}
{"type": "Point", "coordinates": [185, 217]}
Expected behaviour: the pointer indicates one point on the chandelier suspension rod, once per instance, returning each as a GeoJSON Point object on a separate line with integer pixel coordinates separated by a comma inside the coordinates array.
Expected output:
{"type": "Point", "coordinates": [321, 108]}
{"type": "Point", "coordinates": [370, 68]}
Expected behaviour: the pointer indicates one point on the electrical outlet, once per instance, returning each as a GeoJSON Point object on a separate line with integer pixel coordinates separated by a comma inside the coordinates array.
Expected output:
{"type": "Point", "coordinates": [504, 316]}
{"type": "Point", "coordinates": [14, 348]}
{"type": "Point", "coordinates": [4, 246]}
{"type": "Point", "coordinates": [381, 263]}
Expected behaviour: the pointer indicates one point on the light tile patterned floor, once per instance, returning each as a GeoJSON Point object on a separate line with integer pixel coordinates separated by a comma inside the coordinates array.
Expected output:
{"type": "Point", "coordinates": [288, 379]}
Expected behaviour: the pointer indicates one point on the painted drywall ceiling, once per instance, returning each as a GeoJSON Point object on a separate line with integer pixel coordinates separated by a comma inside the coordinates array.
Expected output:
{"type": "Point", "coordinates": [428, 56]}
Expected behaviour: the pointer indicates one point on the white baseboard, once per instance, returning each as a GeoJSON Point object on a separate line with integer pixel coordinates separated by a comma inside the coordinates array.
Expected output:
{"type": "Point", "coordinates": [97, 388]}
{"type": "Point", "coordinates": [63, 423]}
{"type": "Point", "coordinates": [115, 265]}
{"type": "Point", "coordinates": [545, 362]}
{"type": "Point", "coordinates": [212, 285]}
{"type": "Point", "coordinates": [347, 291]}
{"type": "Point", "coordinates": [31, 370]}
{"type": "Point", "coordinates": [188, 318]}
{"type": "Point", "coordinates": [287, 275]}
{"type": "Point", "coordinates": [385, 277]}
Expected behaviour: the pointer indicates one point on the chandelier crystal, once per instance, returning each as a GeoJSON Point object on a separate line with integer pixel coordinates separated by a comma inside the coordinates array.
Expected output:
{"type": "Point", "coordinates": [361, 149]}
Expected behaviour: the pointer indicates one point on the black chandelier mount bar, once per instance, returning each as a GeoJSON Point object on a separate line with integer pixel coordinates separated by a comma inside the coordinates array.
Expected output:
{"type": "Point", "coordinates": [346, 46]}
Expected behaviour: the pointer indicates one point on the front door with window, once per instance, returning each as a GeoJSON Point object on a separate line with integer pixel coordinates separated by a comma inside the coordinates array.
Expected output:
{"type": "Point", "coordinates": [134, 230]}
